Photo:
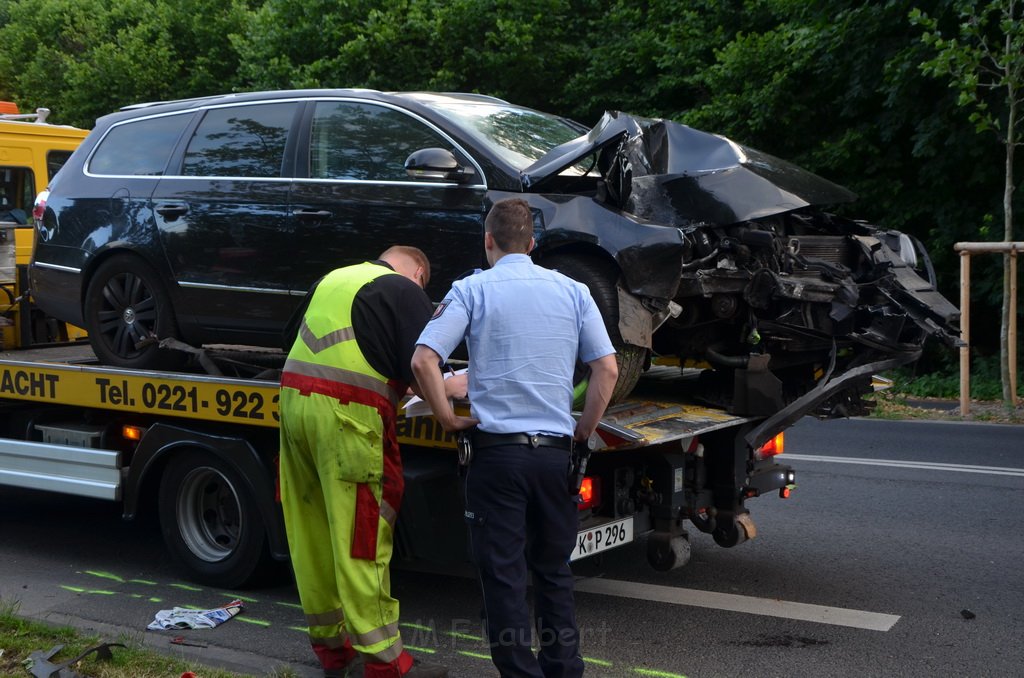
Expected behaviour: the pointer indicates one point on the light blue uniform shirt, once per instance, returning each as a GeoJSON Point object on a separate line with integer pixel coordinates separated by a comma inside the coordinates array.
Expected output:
{"type": "Point", "coordinates": [524, 325]}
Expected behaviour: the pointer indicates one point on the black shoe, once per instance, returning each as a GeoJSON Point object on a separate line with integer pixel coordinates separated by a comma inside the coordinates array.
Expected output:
{"type": "Point", "coordinates": [424, 670]}
{"type": "Point", "coordinates": [354, 669]}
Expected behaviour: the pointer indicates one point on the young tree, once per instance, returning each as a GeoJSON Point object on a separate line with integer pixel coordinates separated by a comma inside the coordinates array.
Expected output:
{"type": "Point", "coordinates": [983, 58]}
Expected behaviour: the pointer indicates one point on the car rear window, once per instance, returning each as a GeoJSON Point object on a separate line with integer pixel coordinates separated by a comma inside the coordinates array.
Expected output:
{"type": "Point", "coordinates": [240, 141]}
{"type": "Point", "coordinates": [139, 147]}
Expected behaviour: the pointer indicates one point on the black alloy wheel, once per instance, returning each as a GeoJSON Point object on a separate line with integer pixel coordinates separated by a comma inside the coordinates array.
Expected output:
{"type": "Point", "coordinates": [127, 312]}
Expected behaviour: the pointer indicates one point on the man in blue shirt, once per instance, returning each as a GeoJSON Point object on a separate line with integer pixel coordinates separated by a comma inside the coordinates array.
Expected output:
{"type": "Point", "coordinates": [525, 327]}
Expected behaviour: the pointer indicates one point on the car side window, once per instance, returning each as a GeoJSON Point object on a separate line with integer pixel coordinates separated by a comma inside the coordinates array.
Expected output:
{"type": "Point", "coordinates": [365, 141]}
{"type": "Point", "coordinates": [54, 161]}
{"type": "Point", "coordinates": [16, 194]}
{"type": "Point", "coordinates": [240, 141]}
{"type": "Point", "coordinates": [140, 147]}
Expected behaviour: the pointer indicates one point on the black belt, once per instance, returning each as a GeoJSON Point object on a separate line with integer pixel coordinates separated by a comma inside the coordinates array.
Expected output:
{"type": "Point", "coordinates": [483, 440]}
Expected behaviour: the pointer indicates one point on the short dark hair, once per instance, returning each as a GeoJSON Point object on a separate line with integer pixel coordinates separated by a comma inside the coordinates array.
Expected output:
{"type": "Point", "coordinates": [510, 223]}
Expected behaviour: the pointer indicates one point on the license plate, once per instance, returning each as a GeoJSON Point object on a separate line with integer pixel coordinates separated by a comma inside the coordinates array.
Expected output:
{"type": "Point", "coordinates": [602, 537]}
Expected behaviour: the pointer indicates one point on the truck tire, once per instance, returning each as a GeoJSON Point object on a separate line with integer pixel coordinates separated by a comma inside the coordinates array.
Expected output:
{"type": "Point", "coordinates": [667, 551]}
{"type": "Point", "coordinates": [600, 278]}
{"type": "Point", "coordinates": [211, 522]}
{"type": "Point", "coordinates": [125, 304]}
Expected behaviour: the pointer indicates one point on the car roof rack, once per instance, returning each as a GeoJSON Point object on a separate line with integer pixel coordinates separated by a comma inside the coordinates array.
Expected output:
{"type": "Point", "coordinates": [5, 113]}
{"type": "Point", "coordinates": [148, 104]}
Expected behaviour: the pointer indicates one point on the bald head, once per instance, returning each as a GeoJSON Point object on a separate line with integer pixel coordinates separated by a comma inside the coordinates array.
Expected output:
{"type": "Point", "coordinates": [409, 262]}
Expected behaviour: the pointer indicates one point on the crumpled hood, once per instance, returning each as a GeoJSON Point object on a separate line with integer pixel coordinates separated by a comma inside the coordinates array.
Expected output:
{"type": "Point", "coordinates": [675, 175]}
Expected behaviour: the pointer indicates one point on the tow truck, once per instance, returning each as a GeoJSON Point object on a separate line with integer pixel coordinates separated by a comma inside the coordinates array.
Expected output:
{"type": "Point", "coordinates": [32, 150]}
{"type": "Point", "coordinates": [200, 450]}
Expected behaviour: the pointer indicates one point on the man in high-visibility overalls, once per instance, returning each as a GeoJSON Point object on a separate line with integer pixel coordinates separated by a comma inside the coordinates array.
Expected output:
{"type": "Point", "coordinates": [341, 472]}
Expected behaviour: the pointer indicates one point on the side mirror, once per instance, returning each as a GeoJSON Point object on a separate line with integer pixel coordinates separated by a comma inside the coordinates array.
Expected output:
{"type": "Point", "coordinates": [437, 164]}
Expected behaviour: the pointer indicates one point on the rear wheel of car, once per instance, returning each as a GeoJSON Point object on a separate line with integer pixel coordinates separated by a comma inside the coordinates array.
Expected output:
{"type": "Point", "coordinates": [600, 278]}
{"type": "Point", "coordinates": [127, 312]}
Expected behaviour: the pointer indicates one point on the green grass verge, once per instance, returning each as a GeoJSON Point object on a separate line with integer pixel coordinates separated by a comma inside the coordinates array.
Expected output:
{"type": "Point", "coordinates": [20, 637]}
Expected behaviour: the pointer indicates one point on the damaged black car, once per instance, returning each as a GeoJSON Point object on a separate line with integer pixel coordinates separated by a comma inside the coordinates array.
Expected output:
{"type": "Point", "coordinates": [205, 221]}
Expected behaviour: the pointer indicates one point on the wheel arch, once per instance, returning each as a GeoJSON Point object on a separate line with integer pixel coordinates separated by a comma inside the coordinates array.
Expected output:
{"type": "Point", "coordinates": [545, 251]}
{"type": "Point", "coordinates": [115, 251]}
{"type": "Point", "coordinates": [163, 441]}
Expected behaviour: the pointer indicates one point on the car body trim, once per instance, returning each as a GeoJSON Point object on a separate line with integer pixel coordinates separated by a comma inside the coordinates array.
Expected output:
{"type": "Point", "coordinates": [417, 184]}
{"type": "Point", "coordinates": [237, 288]}
{"type": "Point", "coordinates": [56, 267]}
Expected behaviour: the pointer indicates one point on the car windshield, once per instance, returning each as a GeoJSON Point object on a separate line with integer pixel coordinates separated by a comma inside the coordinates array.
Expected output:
{"type": "Point", "coordinates": [519, 136]}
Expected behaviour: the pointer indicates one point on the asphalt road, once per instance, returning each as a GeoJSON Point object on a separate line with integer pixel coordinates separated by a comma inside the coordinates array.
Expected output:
{"type": "Point", "coordinates": [899, 554]}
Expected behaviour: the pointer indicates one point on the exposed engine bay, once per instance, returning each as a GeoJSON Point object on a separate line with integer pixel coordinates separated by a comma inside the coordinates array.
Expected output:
{"type": "Point", "coordinates": [787, 303]}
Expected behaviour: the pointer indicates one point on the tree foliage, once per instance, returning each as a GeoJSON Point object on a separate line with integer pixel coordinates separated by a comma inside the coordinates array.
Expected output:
{"type": "Point", "coordinates": [835, 86]}
{"type": "Point", "coordinates": [85, 58]}
{"type": "Point", "coordinates": [984, 63]}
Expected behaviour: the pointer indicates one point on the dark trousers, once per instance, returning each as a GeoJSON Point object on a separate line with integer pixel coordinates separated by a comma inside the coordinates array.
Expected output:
{"type": "Point", "coordinates": [521, 518]}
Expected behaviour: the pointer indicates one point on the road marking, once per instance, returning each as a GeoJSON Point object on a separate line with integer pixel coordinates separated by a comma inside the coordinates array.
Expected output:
{"type": "Point", "coordinates": [871, 621]}
{"type": "Point", "coordinates": [923, 465]}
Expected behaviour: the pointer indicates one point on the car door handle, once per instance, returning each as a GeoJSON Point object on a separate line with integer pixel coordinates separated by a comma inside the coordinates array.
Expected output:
{"type": "Point", "coordinates": [172, 210]}
{"type": "Point", "coordinates": [312, 214]}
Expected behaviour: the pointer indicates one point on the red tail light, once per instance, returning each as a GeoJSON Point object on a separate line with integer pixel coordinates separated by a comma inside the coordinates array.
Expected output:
{"type": "Point", "coordinates": [40, 206]}
{"type": "Point", "coordinates": [772, 447]}
{"type": "Point", "coordinates": [590, 493]}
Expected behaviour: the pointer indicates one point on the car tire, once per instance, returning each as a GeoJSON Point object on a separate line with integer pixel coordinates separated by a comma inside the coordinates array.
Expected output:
{"type": "Point", "coordinates": [600, 277]}
{"type": "Point", "coordinates": [127, 311]}
{"type": "Point", "coordinates": [211, 522]}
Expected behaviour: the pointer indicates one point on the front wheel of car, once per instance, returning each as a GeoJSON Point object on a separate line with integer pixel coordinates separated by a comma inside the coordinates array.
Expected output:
{"type": "Point", "coordinates": [600, 277]}
{"type": "Point", "coordinates": [127, 312]}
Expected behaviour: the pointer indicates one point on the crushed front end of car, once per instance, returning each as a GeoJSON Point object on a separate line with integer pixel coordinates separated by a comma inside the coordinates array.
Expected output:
{"type": "Point", "coordinates": [792, 307]}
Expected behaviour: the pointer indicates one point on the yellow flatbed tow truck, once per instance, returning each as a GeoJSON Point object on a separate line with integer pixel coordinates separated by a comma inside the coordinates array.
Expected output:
{"type": "Point", "coordinates": [200, 450]}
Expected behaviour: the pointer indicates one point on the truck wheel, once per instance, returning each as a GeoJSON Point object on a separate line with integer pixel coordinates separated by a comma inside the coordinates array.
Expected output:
{"type": "Point", "coordinates": [126, 311]}
{"type": "Point", "coordinates": [600, 277]}
{"type": "Point", "coordinates": [735, 532]}
{"type": "Point", "coordinates": [211, 523]}
{"type": "Point", "coordinates": [666, 552]}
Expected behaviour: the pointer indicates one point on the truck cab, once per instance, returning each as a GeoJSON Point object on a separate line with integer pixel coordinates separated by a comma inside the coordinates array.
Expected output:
{"type": "Point", "coordinates": [31, 152]}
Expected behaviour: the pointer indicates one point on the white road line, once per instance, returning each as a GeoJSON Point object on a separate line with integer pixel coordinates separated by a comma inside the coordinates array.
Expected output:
{"type": "Point", "coordinates": [871, 621]}
{"type": "Point", "coordinates": [923, 465]}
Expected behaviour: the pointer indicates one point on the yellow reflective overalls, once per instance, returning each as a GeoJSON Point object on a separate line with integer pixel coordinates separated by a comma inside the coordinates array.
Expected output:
{"type": "Point", "coordinates": [341, 482]}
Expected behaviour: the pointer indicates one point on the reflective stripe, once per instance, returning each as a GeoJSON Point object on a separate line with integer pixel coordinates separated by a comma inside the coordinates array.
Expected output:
{"type": "Point", "coordinates": [389, 514]}
{"type": "Point", "coordinates": [378, 635]}
{"type": "Point", "coordinates": [333, 643]}
{"type": "Point", "coordinates": [316, 344]}
{"type": "Point", "coordinates": [388, 655]}
{"type": "Point", "coordinates": [326, 618]}
{"type": "Point", "coordinates": [340, 376]}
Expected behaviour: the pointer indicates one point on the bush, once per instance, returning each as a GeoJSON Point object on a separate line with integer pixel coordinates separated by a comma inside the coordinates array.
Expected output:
{"type": "Point", "coordinates": [944, 379]}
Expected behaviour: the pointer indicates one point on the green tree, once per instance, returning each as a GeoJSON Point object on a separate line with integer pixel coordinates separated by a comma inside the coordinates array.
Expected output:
{"type": "Point", "coordinates": [983, 59]}
{"type": "Point", "coordinates": [86, 58]}
{"type": "Point", "coordinates": [514, 50]}
{"type": "Point", "coordinates": [836, 87]}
